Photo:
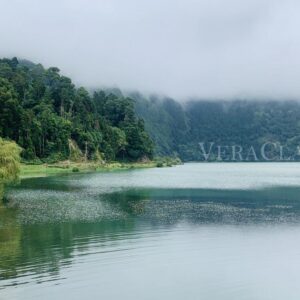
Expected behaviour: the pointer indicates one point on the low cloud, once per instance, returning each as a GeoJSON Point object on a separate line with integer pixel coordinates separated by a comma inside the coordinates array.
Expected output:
{"type": "Point", "coordinates": [206, 49]}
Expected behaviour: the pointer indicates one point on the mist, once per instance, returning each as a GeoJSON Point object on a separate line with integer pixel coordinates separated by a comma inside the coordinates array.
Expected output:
{"type": "Point", "coordinates": [202, 49]}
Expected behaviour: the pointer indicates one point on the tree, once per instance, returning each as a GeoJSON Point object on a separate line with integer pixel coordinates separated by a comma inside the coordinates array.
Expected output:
{"type": "Point", "coordinates": [42, 111]}
{"type": "Point", "coordinates": [9, 163]}
{"type": "Point", "coordinates": [10, 111]}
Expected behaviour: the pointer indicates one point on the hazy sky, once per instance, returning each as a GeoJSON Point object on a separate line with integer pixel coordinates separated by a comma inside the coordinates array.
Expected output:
{"type": "Point", "coordinates": [204, 48]}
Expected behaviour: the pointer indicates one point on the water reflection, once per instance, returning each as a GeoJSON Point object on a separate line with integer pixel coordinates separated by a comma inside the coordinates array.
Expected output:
{"type": "Point", "coordinates": [51, 228]}
{"type": "Point", "coordinates": [270, 205]}
{"type": "Point", "coordinates": [30, 244]}
{"type": "Point", "coordinates": [10, 241]}
{"type": "Point", "coordinates": [42, 249]}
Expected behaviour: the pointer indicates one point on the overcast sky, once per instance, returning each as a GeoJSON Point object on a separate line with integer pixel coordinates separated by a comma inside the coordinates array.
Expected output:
{"type": "Point", "coordinates": [186, 48]}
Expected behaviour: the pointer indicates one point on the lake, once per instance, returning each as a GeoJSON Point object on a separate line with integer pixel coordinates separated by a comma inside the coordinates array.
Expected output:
{"type": "Point", "coordinates": [196, 231]}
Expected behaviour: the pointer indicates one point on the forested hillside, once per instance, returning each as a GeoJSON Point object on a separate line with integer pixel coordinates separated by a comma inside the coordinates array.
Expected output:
{"type": "Point", "coordinates": [52, 120]}
{"type": "Point", "coordinates": [245, 123]}
{"type": "Point", "coordinates": [178, 129]}
{"type": "Point", "coordinates": [166, 122]}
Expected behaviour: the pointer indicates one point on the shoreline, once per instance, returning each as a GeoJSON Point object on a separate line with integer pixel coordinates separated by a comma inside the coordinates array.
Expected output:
{"type": "Point", "coordinates": [44, 170]}
{"type": "Point", "coordinates": [30, 170]}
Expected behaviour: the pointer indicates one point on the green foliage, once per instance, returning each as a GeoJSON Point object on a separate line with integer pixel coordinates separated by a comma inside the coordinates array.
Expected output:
{"type": "Point", "coordinates": [97, 157]}
{"type": "Point", "coordinates": [167, 161]}
{"type": "Point", "coordinates": [43, 111]}
{"type": "Point", "coordinates": [9, 161]}
{"type": "Point", "coordinates": [178, 129]}
{"type": "Point", "coordinates": [75, 152]}
{"type": "Point", "coordinates": [245, 123]}
{"type": "Point", "coordinates": [166, 122]}
{"type": "Point", "coordinates": [125, 137]}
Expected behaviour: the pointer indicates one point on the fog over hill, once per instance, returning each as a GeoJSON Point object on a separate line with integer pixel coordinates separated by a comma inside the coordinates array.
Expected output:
{"type": "Point", "coordinates": [48, 116]}
{"type": "Point", "coordinates": [248, 126]}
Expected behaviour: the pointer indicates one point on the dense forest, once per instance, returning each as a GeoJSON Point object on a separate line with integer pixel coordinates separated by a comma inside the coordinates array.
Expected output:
{"type": "Point", "coordinates": [51, 119]}
{"type": "Point", "coordinates": [177, 129]}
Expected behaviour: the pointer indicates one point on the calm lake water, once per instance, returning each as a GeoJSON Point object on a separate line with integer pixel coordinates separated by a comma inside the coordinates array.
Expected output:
{"type": "Point", "coordinates": [197, 231]}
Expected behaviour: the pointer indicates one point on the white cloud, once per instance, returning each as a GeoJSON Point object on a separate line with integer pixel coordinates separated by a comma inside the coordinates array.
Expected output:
{"type": "Point", "coordinates": [204, 48]}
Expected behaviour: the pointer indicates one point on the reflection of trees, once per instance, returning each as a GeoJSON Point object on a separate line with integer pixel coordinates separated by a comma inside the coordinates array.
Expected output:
{"type": "Point", "coordinates": [1, 192]}
{"type": "Point", "coordinates": [10, 233]}
{"type": "Point", "coordinates": [43, 248]}
{"type": "Point", "coordinates": [10, 241]}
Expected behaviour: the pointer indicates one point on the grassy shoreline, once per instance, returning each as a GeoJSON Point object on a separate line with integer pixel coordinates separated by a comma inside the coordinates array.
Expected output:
{"type": "Point", "coordinates": [43, 170]}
